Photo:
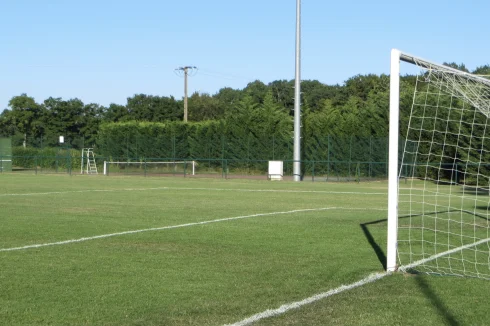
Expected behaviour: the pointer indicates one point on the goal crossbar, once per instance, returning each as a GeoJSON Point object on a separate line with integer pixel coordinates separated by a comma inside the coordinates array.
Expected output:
{"type": "Point", "coordinates": [149, 163]}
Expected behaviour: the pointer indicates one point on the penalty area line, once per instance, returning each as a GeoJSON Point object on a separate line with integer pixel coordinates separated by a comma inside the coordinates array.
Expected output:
{"type": "Point", "coordinates": [102, 236]}
{"type": "Point", "coordinates": [295, 305]}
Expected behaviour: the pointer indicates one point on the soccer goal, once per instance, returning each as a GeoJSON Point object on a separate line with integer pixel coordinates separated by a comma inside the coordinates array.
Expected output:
{"type": "Point", "coordinates": [5, 165]}
{"type": "Point", "coordinates": [150, 168]}
{"type": "Point", "coordinates": [439, 170]}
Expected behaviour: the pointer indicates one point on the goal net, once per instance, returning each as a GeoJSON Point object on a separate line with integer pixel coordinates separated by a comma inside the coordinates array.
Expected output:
{"type": "Point", "coordinates": [150, 168]}
{"type": "Point", "coordinates": [439, 174]}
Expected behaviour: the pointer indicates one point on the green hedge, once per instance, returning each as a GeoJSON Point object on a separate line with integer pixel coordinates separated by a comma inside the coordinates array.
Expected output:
{"type": "Point", "coordinates": [245, 146]}
{"type": "Point", "coordinates": [45, 158]}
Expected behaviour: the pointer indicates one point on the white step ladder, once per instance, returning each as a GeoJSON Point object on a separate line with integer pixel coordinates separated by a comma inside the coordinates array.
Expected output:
{"type": "Point", "coordinates": [88, 160]}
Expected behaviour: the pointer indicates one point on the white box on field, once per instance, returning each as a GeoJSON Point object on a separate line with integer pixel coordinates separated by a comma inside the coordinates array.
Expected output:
{"type": "Point", "coordinates": [276, 170]}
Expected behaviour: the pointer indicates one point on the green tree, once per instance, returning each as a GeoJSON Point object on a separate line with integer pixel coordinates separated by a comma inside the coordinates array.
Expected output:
{"type": "Point", "coordinates": [62, 118]}
{"type": "Point", "coordinates": [116, 113]}
{"type": "Point", "coordinates": [482, 70]}
{"type": "Point", "coordinates": [454, 65]}
{"type": "Point", "coordinates": [143, 107]}
{"type": "Point", "coordinates": [228, 96]}
{"type": "Point", "coordinates": [205, 107]}
{"type": "Point", "coordinates": [23, 117]}
{"type": "Point", "coordinates": [283, 93]}
{"type": "Point", "coordinates": [256, 90]}
{"type": "Point", "coordinates": [91, 119]}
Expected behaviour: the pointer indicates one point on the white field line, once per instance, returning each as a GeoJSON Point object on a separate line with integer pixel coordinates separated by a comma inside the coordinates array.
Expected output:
{"type": "Point", "coordinates": [295, 305]}
{"type": "Point", "coordinates": [172, 227]}
{"type": "Point", "coordinates": [81, 191]}
{"type": "Point", "coordinates": [207, 189]}
{"type": "Point", "coordinates": [441, 254]}
{"type": "Point", "coordinates": [371, 278]}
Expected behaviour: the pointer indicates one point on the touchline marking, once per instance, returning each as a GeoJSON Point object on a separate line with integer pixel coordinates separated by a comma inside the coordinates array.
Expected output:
{"type": "Point", "coordinates": [82, 191]}
{"type": "Point", "coordinates": [295, 305]}
{"type": "Point", "coordinates": [208, 189]}
{"type": "Point", "coordinates": [102, 236]}
{"type": "Point", "coordinates": [287, 191]}
{"type": "Point", "coordinates": [371, 278]}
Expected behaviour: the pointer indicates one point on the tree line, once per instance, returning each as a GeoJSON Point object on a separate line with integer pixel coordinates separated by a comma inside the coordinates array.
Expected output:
{"type": "Point", "coordinates": [359, 107]}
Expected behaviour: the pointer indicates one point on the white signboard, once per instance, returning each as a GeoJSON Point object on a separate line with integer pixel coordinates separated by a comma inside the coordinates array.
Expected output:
{"type": "Point", "coordinates": [276, 170]}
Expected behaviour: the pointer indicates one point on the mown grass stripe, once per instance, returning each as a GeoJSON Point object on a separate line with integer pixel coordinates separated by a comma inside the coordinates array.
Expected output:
{"type": "Point", "coordinates": [102, 236]}
{"type": "Point", "coordinates": [206, 189]}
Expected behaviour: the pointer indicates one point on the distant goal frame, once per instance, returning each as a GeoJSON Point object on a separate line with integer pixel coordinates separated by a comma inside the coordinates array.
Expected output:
{"type": "Point", "coordinates": [175, 163]}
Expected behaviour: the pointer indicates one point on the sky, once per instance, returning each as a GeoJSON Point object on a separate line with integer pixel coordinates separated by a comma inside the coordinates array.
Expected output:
{"type": "Point", "coordinates": [104, 51]}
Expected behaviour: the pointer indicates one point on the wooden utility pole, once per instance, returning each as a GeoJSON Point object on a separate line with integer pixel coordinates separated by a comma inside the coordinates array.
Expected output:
{"type": "Point", "coordinates": [185, 72]}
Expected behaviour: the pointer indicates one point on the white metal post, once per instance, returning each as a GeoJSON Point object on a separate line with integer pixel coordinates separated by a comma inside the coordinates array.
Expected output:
{"type": "Point", "coordinates": [297, 99]}
{"type": "Point", "coordinates": [393, 161]}
{"type": "Point", "coordinates": [81, 166]}
{"type": "Point", "coordinates": [105, 167]}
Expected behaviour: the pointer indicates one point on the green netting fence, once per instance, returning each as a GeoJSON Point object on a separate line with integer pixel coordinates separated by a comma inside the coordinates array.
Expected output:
{"type": "Point", "coordinates": [5, 155]}
{"type": "Point", "coordinates": [323, 157]}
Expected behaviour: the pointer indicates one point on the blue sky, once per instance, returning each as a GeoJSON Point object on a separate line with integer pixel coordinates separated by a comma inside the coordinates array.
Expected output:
{"type": "Point", "coordinates": [105, 51]}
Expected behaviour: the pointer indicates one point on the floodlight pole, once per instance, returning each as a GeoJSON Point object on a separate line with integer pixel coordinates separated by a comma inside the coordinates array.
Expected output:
{"type": "Point", "coordinates": [297, 99]}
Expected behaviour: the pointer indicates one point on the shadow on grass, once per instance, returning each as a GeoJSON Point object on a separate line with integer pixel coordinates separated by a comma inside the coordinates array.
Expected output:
{"type": "Point", "coordinates": [377, 249]}
{"type": "Point", "coordinates": [369, 237]}
{"type": "Point", "coordinates": [424, 287]}
{"type": "Point", "coordinates": [436, 302]}
{"type": "Point", "coordinates": [474, 190]}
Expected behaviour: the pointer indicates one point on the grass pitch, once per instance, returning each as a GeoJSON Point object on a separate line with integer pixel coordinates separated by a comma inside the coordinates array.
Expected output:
{"type": "Point", "coordinates": [208, 252]}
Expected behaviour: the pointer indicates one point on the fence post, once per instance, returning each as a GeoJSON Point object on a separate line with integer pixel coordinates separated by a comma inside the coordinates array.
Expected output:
{"type": "Point", "coordinates": [387, 154]}
{"type": "Point", "coordinates": [370, 155]}
{"type": "Point", "coordinates": [222, 147]}
{"type": "Point", "coordinates": [350, 157]}
{"type": "Point", "coordinates": [225, 169]}
{"type": "Point", "coordinates": [69, 160]}
{"type": "Point", "coordinates": [313, 172]}
{"type": "Point", "coordinates": [273, 147]}
{"type": "Point", "coordinates": [174, 152]}
{"type": "Point", "coordinates": [127, 147]}
{"type": "Point", "coordinates": [328, 157]}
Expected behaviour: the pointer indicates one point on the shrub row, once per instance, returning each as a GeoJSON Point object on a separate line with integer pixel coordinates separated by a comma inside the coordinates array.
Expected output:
{"type": "Point", "coordinates": [45, 158]}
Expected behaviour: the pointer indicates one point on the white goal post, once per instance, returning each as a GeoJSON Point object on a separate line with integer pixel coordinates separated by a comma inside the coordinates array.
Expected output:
{"type": "Point", "coordinates": [153, 167]}
{"type": "Point", "coordinates": [5, 165]}
{"type": "Point", "coordinates": [438, 217]}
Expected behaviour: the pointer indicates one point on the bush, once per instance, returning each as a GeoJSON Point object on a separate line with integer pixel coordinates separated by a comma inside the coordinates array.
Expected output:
{"type": "Point", "coordinates": [45, 158]}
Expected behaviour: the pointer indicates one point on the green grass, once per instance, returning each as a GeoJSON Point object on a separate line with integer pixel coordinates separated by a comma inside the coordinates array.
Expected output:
{"type": "Point", "coordinates": [209, 274]}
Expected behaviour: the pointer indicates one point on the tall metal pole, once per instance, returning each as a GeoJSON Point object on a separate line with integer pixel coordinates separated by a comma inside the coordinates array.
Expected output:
{"type": "Point", "coordinates": [297, 99]}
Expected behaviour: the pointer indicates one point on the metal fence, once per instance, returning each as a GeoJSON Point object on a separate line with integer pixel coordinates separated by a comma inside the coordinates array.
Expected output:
{"type": "Point", "coordinates": [325, 158]}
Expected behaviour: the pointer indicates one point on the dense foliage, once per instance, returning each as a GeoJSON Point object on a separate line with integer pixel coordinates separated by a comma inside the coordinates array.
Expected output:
{"type": "Point", "coordinates": [254, 123]}
{"type": "Point", "coordinates": [359, 107]}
